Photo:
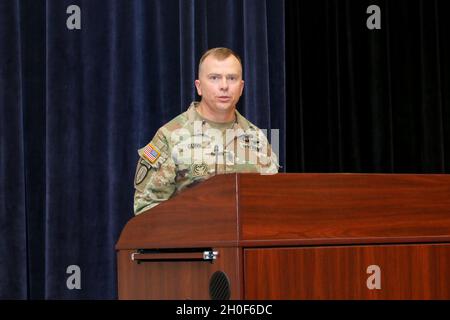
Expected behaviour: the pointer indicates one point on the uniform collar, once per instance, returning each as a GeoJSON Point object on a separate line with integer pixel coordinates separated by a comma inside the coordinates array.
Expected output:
{"type": "Point", "coordinates": [193, 116]}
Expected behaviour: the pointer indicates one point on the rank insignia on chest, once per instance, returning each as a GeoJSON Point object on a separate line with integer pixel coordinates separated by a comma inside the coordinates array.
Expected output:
{"type": "Point", "coordinates": [151, 153]}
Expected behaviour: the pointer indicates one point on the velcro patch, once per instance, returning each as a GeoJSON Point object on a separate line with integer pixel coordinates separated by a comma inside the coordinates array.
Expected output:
{"type": "Point", "coordinates": [151, 153]}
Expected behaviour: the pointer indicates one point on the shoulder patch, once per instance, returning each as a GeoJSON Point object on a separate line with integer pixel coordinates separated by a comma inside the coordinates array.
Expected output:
{"type": "Point", "coordinates": [151, 153]}
{"type": "Point", "coordinates": [141, 172]}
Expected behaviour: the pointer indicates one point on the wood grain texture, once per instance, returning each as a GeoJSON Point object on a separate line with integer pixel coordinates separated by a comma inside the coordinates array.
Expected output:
{"type": "Point", "coordinates": [407, 272]}
{"type": "Point", "coordinates": [344, 208]}
{"type": "Point", "coordinates": [328, 226]}
{"type": "Point", "coordinates": [203, 215]}
{"type": "Point", "coordinates": [175, 279]}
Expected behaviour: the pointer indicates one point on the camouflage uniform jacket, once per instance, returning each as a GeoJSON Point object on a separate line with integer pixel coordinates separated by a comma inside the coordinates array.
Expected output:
{"type": "Point", "coordinates": [190, 149]}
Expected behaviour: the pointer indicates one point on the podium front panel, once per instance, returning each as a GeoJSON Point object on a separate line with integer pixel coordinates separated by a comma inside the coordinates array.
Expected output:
{"type": "Point", "coordinates": [413, 271]}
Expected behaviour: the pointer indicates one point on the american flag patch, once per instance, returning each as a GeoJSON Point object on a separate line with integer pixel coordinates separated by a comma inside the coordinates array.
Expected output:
{"type": "Point", "coordinates": [151, 153]}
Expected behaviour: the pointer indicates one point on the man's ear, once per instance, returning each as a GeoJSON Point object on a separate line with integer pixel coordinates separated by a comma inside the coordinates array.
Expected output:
{"type": "Point", "coordinates": [197, 85]}
{"type": "Point", "coordinates": [242, 87]}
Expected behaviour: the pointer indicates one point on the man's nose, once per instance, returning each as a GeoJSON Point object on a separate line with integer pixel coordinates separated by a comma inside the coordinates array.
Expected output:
{"type": "Point", "coordinates": [224, 83]}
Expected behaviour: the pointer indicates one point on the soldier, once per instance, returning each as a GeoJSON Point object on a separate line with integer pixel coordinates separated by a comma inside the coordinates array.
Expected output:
{"type": "Point", "coordinates": [210, 138]}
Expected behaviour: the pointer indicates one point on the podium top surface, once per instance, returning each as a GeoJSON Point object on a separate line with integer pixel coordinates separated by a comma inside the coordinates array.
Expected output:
{"type": "Point", "coordinates": [252, 210]}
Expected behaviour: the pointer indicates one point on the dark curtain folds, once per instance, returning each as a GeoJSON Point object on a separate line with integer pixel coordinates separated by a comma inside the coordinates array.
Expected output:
{"type": "Point", "coordinates": [77, 104]}
{"type": "Point", "coordinates": [13, 223]}
{"type": "Point", "coordinates": [361, 100]}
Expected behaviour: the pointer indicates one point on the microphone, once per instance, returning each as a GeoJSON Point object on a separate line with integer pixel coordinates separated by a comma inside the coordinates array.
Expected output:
{"type": "Point", "coordinates": [216, 152]}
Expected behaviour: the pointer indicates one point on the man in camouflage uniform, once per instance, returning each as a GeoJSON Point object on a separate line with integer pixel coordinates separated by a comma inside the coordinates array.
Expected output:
{"type": "Point", "coordinates": [210, 138]}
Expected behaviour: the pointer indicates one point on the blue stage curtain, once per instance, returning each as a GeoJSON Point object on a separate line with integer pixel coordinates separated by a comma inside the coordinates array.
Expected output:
{"type": "Point", "coordinates": [77, 104]}
{"type": "Point", "coordinates": [13, 222]}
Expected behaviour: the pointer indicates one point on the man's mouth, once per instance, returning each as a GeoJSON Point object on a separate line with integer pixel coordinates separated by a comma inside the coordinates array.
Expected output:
{"type": "Point", "coordinates": [223, 98]}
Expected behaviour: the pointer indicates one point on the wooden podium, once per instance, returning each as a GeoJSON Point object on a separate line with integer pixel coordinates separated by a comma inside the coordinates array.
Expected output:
{"type": "Point", "coordinates": [293, 236]}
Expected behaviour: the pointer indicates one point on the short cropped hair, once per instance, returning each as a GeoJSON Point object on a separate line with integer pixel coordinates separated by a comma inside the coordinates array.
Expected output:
{"type": "Point", "coordinates": [220, 54]}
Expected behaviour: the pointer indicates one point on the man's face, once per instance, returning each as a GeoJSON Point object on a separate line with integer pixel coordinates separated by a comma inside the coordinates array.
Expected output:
{"type": "Point", "coordinates": [220, 84]}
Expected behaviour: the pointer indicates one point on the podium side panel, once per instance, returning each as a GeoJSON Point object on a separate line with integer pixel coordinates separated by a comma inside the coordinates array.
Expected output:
{"type": "Point", "coordinates": [176, 280]}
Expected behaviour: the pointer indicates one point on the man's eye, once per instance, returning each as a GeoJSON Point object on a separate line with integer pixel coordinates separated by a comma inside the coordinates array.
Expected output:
{"type": "Point", "coordinates": [214, 77]}
{"type": "Point", "coordinates": [232, 78]}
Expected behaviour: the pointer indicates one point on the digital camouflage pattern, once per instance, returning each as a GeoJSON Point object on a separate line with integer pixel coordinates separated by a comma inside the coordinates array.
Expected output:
{"type": "Point", "coordinates": [190, 149]}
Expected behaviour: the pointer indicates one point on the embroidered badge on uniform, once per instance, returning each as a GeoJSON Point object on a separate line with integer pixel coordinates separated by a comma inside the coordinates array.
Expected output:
{"type": "Point", "coordinates": [141, 173]}
{"type": "Point", "coordinates": [151, 153]}
{"type": "Point", "coordinates": [199, 170]}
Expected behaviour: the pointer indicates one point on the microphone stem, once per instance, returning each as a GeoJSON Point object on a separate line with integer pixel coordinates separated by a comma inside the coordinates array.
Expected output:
{"type": "Point", "coordinates": [216, 152]}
